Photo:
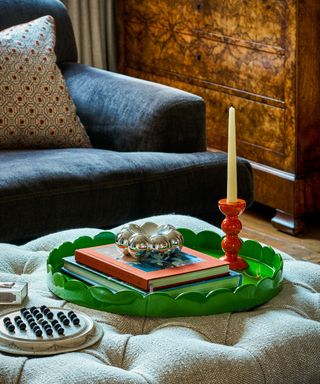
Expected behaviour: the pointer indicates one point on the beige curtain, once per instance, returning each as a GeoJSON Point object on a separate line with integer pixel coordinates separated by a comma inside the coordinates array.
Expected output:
{"type": "Point", "coordinates": [94, 28]}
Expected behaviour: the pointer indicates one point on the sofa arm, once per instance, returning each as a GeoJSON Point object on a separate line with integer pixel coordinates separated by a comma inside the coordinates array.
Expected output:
{"type": "Point", "coordinates": [127, 114]}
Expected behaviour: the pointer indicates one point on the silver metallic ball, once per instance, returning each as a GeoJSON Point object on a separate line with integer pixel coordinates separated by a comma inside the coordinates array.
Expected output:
{"type": "Point", "coordinates": [149, 228]}
{"type": "Point", "coordinates": [175, 239]}
{"type": "Point", "coordinates": [122, 240]}
{"type": "Point", "coordinates": [138, 245]}
{"type": "Point", "coordinates": [164, 229]}
{"type": "Point", "coordinates": [159, 243]}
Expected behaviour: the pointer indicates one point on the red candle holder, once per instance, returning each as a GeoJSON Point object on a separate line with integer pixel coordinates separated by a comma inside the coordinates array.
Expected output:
{"type": "Point", "coordinates": [231, 225]}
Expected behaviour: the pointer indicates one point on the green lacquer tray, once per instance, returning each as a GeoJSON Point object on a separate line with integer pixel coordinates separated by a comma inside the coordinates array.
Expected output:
{"type": "Point", "coordinates": [261, 281]}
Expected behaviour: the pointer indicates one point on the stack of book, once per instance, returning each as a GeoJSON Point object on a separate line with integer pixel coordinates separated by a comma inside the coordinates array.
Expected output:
{"type": "Point", "coordinates": [185, 271]}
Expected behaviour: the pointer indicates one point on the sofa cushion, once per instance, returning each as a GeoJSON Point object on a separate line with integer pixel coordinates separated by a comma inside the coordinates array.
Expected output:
{"type": "Point", "coordinates": [36, 110]}
{"type": "Point", "coordinates": [49, 190]}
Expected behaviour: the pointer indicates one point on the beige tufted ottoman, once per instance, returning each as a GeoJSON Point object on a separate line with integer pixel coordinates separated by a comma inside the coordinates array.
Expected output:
{"type": "Point", "coordinates": [278, 342]}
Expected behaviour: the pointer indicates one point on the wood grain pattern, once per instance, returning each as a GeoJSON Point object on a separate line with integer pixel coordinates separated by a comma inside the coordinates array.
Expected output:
{"type": "Point", "coordinates": [245, 21]}
{"type": "Point", "coordinates": [229, 65]}
{"type": "Point", "coordinates": [308, 87]}
{"type": "Point", "coordinates": [269, 146]}
{"type": "Point", "coordinates": [260, 56]}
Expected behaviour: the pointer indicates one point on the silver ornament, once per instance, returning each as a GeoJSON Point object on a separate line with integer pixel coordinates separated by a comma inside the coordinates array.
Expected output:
{"type": "Point", "coordinates": [149, 239]}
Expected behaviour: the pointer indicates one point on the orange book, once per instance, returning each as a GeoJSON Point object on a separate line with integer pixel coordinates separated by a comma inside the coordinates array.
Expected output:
{"type": "Point", "coordinates": [153, 272]}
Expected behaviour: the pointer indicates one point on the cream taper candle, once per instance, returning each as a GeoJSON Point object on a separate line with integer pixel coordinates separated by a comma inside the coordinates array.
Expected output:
{"type": "Point", "coordinates": [232, 193]}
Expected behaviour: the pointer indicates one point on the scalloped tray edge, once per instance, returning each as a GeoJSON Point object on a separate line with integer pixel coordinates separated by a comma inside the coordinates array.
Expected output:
{"type": "Point", "coordinates": [160, 304]}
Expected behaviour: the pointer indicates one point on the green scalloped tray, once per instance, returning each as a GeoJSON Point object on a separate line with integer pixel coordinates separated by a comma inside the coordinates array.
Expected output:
{"type": "Point", "coordinates": [261, 281]}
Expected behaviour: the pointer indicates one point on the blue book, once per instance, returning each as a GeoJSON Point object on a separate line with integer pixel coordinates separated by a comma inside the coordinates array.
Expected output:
{"type": "Point", "coordinates": [92, 277]}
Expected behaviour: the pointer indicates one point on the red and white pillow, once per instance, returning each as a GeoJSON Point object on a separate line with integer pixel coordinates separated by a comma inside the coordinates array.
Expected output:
{"type": "Point", "coordinates": [36, 110]}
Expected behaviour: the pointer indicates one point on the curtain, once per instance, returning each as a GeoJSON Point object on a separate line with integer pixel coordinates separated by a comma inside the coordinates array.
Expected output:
{"type": "Point", "coordinates": [94, 28]}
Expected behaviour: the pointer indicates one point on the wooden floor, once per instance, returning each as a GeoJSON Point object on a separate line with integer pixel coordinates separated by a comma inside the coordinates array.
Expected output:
{"type": "Point", "coordinates": [256, 225]}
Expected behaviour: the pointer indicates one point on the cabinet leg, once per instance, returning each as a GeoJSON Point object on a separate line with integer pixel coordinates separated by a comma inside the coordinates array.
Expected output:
{"type": "Point", "coordinates": [287, 223]}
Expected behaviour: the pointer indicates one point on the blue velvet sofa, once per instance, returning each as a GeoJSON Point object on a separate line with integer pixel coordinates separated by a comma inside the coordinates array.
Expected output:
{"type": "Point", "coordinates": [149, 151]}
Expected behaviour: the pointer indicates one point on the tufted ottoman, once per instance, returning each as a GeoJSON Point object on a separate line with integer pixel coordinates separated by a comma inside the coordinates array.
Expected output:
{"type": "Point", "coordinates": [278, 342]}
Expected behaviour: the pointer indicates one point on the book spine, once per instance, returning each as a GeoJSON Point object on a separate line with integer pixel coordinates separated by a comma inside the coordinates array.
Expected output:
{"type": "Point", "coordinates": [118, 287]}
{"type": "Point", "coordinates": [192, 281]}
{"type": "Point", "coordinates": [111, 270]}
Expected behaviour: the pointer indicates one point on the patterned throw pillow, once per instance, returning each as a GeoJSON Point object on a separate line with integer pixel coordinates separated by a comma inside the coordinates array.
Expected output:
{"type": "Point", "coordinates": [36, 110]}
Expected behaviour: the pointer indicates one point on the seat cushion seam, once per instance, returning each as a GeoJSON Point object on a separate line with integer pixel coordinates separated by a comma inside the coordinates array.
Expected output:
{"type": "Point", "coordinates": [124, 351]}
{"type": "Point", "coordinates": [256, 359]}
{"type": "Point", "coordinates": [227, 329]}
{"type": "Point", "coordinates": [21, 370]}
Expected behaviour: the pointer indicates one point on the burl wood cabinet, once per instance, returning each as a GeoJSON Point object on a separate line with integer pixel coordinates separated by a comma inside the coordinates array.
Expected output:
{"type": "Point", "coordinates": [262, 57]}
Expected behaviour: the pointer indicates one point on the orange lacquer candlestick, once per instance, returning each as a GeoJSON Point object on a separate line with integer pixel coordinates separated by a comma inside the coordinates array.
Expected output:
{"type": "Point", "coordinates": [231, 225]}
